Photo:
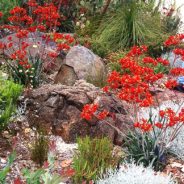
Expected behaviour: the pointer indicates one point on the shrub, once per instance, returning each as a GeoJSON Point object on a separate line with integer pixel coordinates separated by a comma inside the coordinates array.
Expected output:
{"type": "Point", "coordinates": [177, 144]}
{"type": "Point", "coordinates": [127, 27]}
{"type": "Point", "coordinates": [142, 149]}
{"type": "Point", "coordinates": [93, 158]}
{"type": "Point", "coordinates": [40, 147]}
{"type": "Point", "coordinates": [9, 93]}
{"type": "Point", "coordinates": [137, 174]}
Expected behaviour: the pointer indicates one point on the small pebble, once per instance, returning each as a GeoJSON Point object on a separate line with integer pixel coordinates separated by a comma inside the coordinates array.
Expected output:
{"type": "Point", "coordinates": [3, 161]}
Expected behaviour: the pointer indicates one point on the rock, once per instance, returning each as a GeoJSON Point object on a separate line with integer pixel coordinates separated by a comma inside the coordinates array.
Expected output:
{"type": "Point", "coordinates": [171, 58]}
{"type": "Point", "coordinates": [3, 161]}
{"type": "Point", "coordinates": [58, 107]}
{"type": "Point", "coordinates": [66, 75]}
{"type": "Point", "coordinates": [80, 63]}
{"type": "Point", "coordinates": [175, 164]}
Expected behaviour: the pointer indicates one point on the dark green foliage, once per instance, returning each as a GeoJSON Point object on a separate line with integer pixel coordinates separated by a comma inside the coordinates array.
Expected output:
{"type": "Point", "coordinates": [127, 27]}
{"type": "Point", "coordinates": [9, 93]}
{"type": "Point", "coordinates": [93, 158]}
{"type": "Point", "coordinates": [142, 149]}
{"type": "Point", "coordinates": [40, 147]}
{"type": "Point", "coordinates": [27, 77]}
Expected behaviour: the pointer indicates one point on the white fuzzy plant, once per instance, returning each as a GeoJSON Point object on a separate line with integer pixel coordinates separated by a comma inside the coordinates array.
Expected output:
{"type": "Point", "coordinates": [136, 174]}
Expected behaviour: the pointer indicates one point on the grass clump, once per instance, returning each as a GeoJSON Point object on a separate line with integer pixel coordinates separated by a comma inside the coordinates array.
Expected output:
{"type": "Point", "coordinates": [126, 27]}
{"type": "Point", "coordinates": [93, 158]}
{"type": "Point", "coordinates": [40, 147]}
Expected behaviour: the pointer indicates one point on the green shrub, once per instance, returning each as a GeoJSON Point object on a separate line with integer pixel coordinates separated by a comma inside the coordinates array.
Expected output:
{"type": "Point", "coordinates": [93, 158]}
{"type": "Point", "coordinates": [9, 93]}
{"type": "Point", "coordinates": [127, 27]}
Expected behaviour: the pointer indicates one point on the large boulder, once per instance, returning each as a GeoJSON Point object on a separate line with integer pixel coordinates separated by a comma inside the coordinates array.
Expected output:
{"type": "Point", "coordinates": [58, 108]}
{"type": "Point", "coordinates": [80, 63]}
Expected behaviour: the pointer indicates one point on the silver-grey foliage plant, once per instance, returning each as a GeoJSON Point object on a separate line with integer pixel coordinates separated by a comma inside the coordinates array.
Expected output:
{"type": "Point", "coordinates": [136, 174]}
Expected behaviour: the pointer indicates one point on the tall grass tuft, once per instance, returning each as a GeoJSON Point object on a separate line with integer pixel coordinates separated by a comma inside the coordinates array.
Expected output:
{"type": "Point", "coordinates": [134, 23]}
{"type": "Point", "coordinates": [93, 158]}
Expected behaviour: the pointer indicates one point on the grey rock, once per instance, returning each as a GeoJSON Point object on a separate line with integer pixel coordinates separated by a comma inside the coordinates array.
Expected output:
{"type": "Point", "coordinates": [80, 63]}
{"type": "Point", "coordinates": [171, 57]}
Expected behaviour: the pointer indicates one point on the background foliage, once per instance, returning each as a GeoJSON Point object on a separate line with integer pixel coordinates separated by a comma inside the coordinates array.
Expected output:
{"type": "Point", "coordinates": [9, 93]}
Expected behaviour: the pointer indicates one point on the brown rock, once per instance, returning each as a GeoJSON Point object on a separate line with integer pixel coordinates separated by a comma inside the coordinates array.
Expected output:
{"type": "Point", "coordinates": [59, 107]}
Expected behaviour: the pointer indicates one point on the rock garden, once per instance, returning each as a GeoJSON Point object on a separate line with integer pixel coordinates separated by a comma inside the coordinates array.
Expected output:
{"type": "Point", "coordinates": [91, 92]}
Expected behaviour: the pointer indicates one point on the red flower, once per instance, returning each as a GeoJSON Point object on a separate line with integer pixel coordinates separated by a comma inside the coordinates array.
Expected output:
{"type": "Point", "coordinates": [27, 66]}
{"type": "Point", "coordinates": [163, 61]}
{"type": "Point", "coordinates": [137, 125]}
{"type": "Point", "coordinates": [146, 127]}
{"type": "Point", "coordinates": [149, 60]}
{"type": "Point", "coordinates": [9, 45]}
{"type": "Point", "coordinates": [41, 27]}
{"type": "Point", "coordinates": [53, 54]}
{"type": "Point", "coordinates": [170, 84]}
{"type": "Point", "coordinates": [22, 34]}
{"type": "Point", "coordinates": [159, 125]}
{"type": "Point", "coordinates": [88, 111]}
{"type": "Point", "coordinates": [9, 38]}
{"type": "Point", "coordinates": [174, 40]}
{"type": "Point", "coordinates": [177, 71]}
{"type": "Point", "coordinates": [162, 113]}
{"type": "Point", "coordinates": [106, 89]}
{"type": "Point", "coordinates": [32, 3]}
{"type": "Point", "coordinates": [2, 45]}
{"type": "Point", "coordinates": [102, 115]}
{"type": "Point", "coordinates": [63, 46]}
{"type": "Point", "coordinates": [1, 14]}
